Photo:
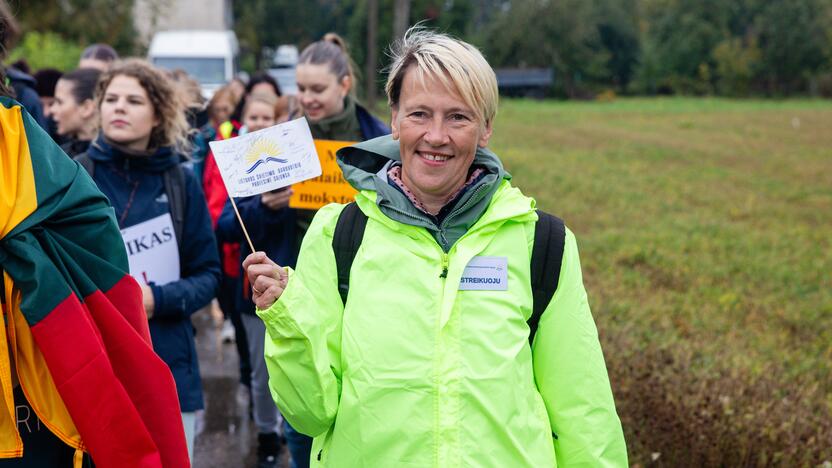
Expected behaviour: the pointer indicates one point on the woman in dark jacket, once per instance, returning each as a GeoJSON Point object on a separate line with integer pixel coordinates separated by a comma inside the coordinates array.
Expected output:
{"type": "Point", "coordinates": [326, 84]}
{"type": "Point", "coordinates": [74, 109]}
{"type": "Point", "coordinates": [135, 163]}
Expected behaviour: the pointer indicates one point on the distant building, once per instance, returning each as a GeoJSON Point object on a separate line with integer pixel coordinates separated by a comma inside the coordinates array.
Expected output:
{"type": "Point", "coordinates": [525, 82]}
{"type": "Point", "coordinates": [151, 16]}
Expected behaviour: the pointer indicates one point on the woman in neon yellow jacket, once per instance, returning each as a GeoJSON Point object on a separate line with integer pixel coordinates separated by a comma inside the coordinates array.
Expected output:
{"type": "Point", "coordinates": [420, 368]}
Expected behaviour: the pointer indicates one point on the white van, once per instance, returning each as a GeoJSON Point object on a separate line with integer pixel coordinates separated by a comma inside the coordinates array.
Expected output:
{"type": "Point", "coordinates": [208, 56]}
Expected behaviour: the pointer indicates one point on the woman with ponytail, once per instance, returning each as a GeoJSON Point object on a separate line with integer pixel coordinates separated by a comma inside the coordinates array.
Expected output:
{"type": "Point", "coordinates": [326, 93]}
{"type": "Point", "coordinates": [74, 109]}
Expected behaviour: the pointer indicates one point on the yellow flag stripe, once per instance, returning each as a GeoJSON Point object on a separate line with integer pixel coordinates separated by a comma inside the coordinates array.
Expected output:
{"type": "Point", "coordinates": [11, 445]}
{"type": "Point", "coordinates": [18, 195]}
{"type": "Point", "coordinates": [29, 366]}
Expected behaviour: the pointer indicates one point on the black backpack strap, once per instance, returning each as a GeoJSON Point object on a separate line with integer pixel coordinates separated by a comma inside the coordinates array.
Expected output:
{"type": "Point", "coordinates": [349, 231]}
{"type": "Point", "coordinates": [547, 256]}
{"type": "Point", "coordinates": [175, 188]}
{"type": "Point", "coordinates": [86, 162]}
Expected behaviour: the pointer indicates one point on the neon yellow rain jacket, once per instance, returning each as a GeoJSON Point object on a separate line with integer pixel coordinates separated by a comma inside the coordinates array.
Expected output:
{"type": "Point", "coordinates": [415, 372]}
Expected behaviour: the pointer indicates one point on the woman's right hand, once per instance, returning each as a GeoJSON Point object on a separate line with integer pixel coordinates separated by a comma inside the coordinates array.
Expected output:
{"type": "Point", "coordinates": [267, 279]}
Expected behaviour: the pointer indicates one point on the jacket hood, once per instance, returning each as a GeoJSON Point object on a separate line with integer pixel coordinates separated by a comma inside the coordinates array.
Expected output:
{"type": "Point", "coordinates": [365, 167]}
{"type": "Point", "coordinates": [105, 151]}
{"type": "Point", "coordinates": [16, 75]}
{"type": "Point", "coordinates": [362, 162]}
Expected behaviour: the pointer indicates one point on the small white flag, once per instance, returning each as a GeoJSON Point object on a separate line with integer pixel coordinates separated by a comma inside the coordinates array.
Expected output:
{"type": "Point", "coordinates": [267, 159]}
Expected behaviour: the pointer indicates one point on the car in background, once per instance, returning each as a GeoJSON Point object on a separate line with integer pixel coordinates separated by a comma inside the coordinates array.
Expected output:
{"type": "Point", "coordinates": [284, 61]}
{"type": "Point", "coordinates": [208, 56]}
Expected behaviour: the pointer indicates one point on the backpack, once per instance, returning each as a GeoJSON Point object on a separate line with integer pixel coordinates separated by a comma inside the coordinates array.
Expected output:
{"type": "Point", "coordinates": [174, 180]}
{"type": "Point", "coordinates": [547, 255]}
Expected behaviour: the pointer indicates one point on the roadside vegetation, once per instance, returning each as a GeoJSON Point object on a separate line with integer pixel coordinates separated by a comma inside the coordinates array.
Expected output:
{"type": "Point", "coordinates": [705, 228]}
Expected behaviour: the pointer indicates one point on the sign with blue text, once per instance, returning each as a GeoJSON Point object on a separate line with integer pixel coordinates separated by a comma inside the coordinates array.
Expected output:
{"type": "Point", "coordinates": [485, 274]}
{"type": "Point", "coordinates": [267, 159]}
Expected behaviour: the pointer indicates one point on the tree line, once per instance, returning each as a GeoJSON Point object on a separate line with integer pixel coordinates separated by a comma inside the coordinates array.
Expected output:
{"type": "Point", "coordinates": [700, 47]}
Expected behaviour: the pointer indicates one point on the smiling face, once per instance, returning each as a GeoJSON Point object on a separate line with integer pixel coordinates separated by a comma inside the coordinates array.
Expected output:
{"type": "Point", "coordinates": [70, 115]}
{"type": "Point", "coordinates": [320, 93]}
{"type": "Point", "coordinates": [259, 115]}
{"type": "Point", "coordinates": [127, 115]}
{"type": "Point", "coordinates": [439, 135]}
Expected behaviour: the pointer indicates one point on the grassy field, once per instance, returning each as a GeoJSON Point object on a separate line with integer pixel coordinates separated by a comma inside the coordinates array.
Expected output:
{"type": "Point", "coordinates": [705, 228]}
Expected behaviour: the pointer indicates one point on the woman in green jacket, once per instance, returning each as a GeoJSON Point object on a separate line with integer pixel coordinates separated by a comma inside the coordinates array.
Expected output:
{"type": "Point", "coordinates": [326, 94]}
{"type": "Point", "coordinates": [428, 363]}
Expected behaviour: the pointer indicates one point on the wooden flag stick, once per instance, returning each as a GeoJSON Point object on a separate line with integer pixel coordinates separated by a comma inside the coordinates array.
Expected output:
{"type": "Point", "coordinates": [242, 225]}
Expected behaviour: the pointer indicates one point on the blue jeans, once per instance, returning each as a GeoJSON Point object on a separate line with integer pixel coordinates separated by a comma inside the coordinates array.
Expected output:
{"type": "Point", "coordinates": [300, 446]}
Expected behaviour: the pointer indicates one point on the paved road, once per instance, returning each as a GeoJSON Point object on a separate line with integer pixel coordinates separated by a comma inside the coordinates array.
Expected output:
{"type": "Point", "coordinates": [226, 437]}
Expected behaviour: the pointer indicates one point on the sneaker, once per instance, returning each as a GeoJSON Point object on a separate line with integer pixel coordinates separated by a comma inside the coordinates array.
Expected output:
{"type": "Point", "coordinates": [227, 331]}
{"type": "Point", "coordinates": [268, 449]}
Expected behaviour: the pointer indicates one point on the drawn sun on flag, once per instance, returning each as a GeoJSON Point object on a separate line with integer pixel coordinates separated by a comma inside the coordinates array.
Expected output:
{"type": "Point", "coordinates": [263, 151]}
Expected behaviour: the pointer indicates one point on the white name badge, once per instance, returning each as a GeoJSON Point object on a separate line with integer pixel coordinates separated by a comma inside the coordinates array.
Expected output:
{"type": "Point", "coordinates": [485, 274]}
{"type": "Point", "coordinates": [152, 251]}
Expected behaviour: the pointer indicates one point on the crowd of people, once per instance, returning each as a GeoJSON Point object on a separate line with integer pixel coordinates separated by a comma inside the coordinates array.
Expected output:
{"type": "Point", "coordinates": [410, 368]}
{"type": "Point", "coordinates": [135, 129]}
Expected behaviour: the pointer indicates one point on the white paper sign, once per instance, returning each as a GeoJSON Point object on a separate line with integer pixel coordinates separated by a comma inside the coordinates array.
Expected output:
{"type": "Point", "coordinates": [152, 251]}
{"type": "Point", "coordinates": [485, 274]}
{"type": "Point", "coordinates": [267, 159]}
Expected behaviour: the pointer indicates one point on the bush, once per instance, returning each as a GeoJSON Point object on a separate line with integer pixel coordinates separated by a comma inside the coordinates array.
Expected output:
{"type": "Point", "coordinates": [824, 85]}
{"type": "Point", "coordinates": [735, 66]}
{"type": "Point", "coordinates": [42, 50]}
{"type": "Point", "coordinates": [606, 95]}
{"type": "Point", "coordinates": [674, 417]}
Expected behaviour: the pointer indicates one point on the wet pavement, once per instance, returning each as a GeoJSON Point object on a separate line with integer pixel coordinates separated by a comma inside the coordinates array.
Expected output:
{"type": "Point", "coordinates": [226, 436]}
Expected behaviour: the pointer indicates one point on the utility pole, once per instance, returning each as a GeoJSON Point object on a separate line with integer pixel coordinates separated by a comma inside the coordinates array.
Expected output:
{"type": "Point", "coordinates": [372, 52]}
{"type": "Point", "coordinates": [401, 18]}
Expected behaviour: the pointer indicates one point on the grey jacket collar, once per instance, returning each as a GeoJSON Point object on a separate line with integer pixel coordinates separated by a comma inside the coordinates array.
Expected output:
{"type": "Point", "coordinates": [365, 167]}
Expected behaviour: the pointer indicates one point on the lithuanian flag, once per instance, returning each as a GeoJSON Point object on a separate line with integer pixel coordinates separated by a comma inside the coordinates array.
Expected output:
{"type": "Point", "coordinates": [79, 342]}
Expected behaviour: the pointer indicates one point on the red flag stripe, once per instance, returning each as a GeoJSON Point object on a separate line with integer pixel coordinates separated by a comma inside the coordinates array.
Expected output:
{"type": "Point", "coordinates": [100, 407]}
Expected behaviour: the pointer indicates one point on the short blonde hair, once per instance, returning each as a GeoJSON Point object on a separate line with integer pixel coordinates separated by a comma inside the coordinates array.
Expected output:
{"type": "Point", "coordinates": [456, 64]}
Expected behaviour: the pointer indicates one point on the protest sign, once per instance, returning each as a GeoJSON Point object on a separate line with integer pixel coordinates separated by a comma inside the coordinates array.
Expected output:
{"type": "Point", "coordinates": [330, 186]}
{"type": "Point", "coordinates": [267, 159]}
{"type": "Point", "coordinates": [152, 251]}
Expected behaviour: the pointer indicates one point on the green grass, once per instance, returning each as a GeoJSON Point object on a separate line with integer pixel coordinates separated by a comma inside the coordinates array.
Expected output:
{"type": "Point", "coordinates": [705, 229]}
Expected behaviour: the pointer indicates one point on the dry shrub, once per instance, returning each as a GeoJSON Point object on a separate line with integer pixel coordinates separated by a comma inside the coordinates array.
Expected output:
{"type": "Point", "coordinates": [673, 417]}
